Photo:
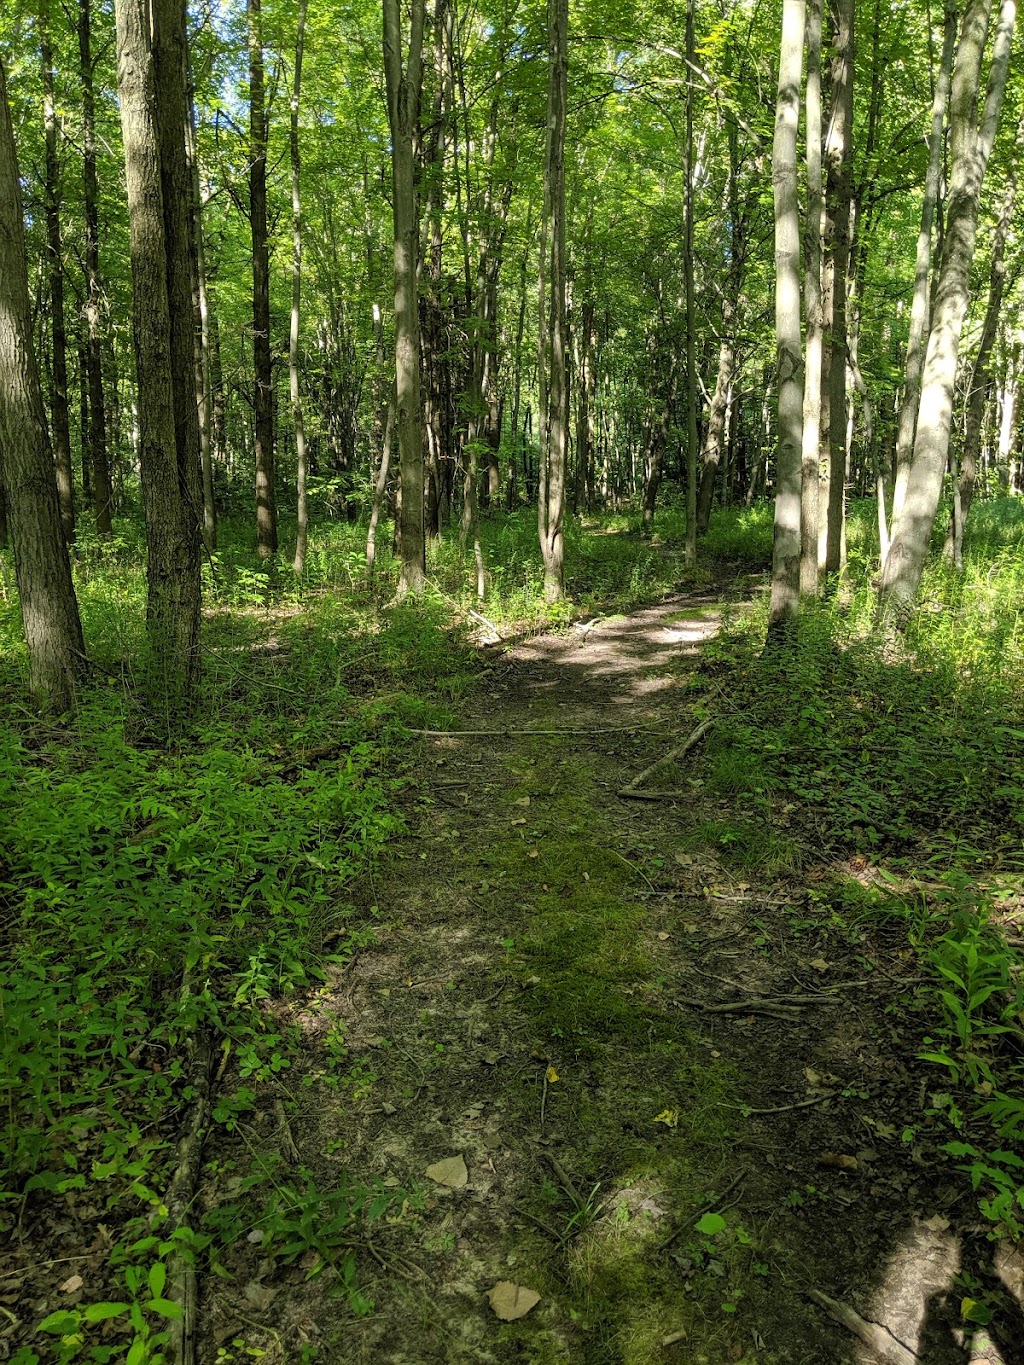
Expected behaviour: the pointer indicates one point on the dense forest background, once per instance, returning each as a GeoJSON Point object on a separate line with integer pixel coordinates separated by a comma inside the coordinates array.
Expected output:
{"type": "Point", "coordinates": [512, 542]}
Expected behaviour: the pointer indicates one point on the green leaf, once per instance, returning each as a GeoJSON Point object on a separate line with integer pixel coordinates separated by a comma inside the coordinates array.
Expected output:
{"type": "Point", "coordinates": [60, 1323]}
{"type": "Point", "coordinates": [137, 1353]}
{"type": "Point", "coordinates": [157, 1278]}
{"type": "Point", "coordinates": [711, 1224]}
{"type": "Point", "coordinates": [167, 1308]}
{"type": "Point", "coordinates": [100, 1312]}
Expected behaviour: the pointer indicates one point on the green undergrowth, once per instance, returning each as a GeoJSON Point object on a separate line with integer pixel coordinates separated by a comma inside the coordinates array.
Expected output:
{"type": "Point", "coordinates": [908, 756]}
{"type": "Point", "coordinates": [162, 886]}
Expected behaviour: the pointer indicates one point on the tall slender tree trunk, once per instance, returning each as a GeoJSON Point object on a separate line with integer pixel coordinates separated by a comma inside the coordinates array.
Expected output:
{"type": "Point", "coordinates": [99, 458]}
{"type": "Point", "coordinates": [810, 451]}
{"type": "Point", "coordinates": [266, 494]}
{"type": "Point", "coordinates": [404, 81]}
{"type": "Point", "coordinates": [785, 594]}
{"type": "Point", "coordinates": [53, 631]}
{"type": "Point", "coordinates": [917, 338]}
{"type": "Point", "coordinates": [151, 91]}
{"type": "Point", "coordinates": [981, 375]}
{"type": "Point", "coordinates": [60, 418]}
{"type": "Point", "coordinates": [555, 412]}
{"type": "Point", "coordinates": [690, 550]}
{"type": "Point", "coordinates": [302, 530]}
{"type": "Point", "coordinates": [970, 148]}
{"type": "Point", "coordinates": [202, 343]}
{"type": "Point", "coordinates": [838, 153]}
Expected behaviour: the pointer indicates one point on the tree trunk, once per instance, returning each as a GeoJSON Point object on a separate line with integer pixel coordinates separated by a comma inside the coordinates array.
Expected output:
{"type": "Point", "coordinates": [151, 91]}
{"type": "Point", "coordinates": [690, 551]}
{"type": "Point", "coordinates": [53, 631]}
{"type": "Point", "coordinates": [202, 339]}
{"type": "Point", "coordinates": [810, 452]}
{"type": "Point", "coordinates": [60, 419]}
{"type": "Point", "coordinates": [266, 494]}
{"type": "Point", "coordinates": [981, 375]}
{"type": "Point", "coordinates": [404, 81]}
{"type": "Point", "coordinates": [99, 459]}
{"type": "Point", "coordinates": [838, 196]}
{"type": "Point", "coordinates": [785, 594]}
{"type": "Point", "coordinates": [970, 148]}
{"type": "Point", "coordinates": [555, 411]}
{"type": "Point", "coordinates": [302, 529]}
{"type": "Point", "coordinates": [919, 308]}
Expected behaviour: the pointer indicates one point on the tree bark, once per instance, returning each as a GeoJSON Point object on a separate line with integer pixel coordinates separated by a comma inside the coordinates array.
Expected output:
{"type": "Point", "coordinates": [202, 339]}
{"type": "Point", "coordinates": [981, 375]}
{"type": "Point", "coordinates": [60, 419]}
{"type": "Point", "coordinates": [266, 494]}
{"type": "Point", "coordinates": [404, 80]}
{"type": "Point", "coordinates": [919, 308]}
{"type": "Point", "coordinates": [785, 592]}
{"type": "Point", "coordinates": [970, 148]}
{"type": "Point", "coordinates": [99, 458]}
{"type": "Point", "coordinates": [555, 410]}
{"type": "Point", "coordinates": [302, 529]}
{"type": "Point", "coordinates": [838, 155]}
{"type": "Point", "coordinates": [53, 631]}
{"type": "Point", "coordinates": [151, 91]}
{"type": "Point", "coordinates": [810, 450]}
{"type": "Point", "coordinates": [690, 548]}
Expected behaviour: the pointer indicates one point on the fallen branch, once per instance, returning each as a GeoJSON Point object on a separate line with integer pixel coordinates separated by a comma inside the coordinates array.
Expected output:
{"type": "Point", "coordinates": [505, 734]}
{"type": "Point", "coordinates": [694, 738]}
{"type": "Point", "coordinates": [291, 1152]}
{"type": "Point", "coordinates": [712, 1203]}
{"type": "Point", "coordinates": [783, 1108]}
{"type": "Point", "coordinates": [879, 1338]}
{"type": "Point", "coordinates": [184, 1289]}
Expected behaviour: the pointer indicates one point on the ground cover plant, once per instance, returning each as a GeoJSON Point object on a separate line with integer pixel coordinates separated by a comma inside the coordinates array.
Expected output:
{"type": "Point", "coordinates": [172, 891]}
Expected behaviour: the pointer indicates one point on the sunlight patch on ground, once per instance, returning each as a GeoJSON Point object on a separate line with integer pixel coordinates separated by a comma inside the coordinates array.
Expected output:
{"type": "Point", "coordinates": [921, 1274]}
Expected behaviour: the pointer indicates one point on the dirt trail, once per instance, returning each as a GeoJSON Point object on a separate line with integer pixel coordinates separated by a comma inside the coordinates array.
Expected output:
{"type": "Point", "coordinates": [563, 991]}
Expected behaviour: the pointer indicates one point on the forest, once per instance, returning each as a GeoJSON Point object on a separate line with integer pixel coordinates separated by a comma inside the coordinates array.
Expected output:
{"type": "Point", "coordinates": [511, 682]}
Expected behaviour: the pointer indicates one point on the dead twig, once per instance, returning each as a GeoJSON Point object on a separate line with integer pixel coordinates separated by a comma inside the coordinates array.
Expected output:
{"type": "Point", "coordinates": [873, 1334]}
{"type": "Point", "coordinates": [507, 733]}
{"type": "Point", "coordinates": [783, 1108]}
{"type": "Point", "coordinates": [694, 738]}
{"type": "Point", "coordinates": [712, 1203]}
{"type": "Point", "coordinates": [291, 1152]}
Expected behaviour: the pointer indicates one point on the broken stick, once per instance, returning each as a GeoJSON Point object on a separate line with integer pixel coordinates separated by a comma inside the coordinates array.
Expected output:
{"type": "Point", "coordinates": [630, 790]}
{"type": "Point", "coordinates": [873, 1334]}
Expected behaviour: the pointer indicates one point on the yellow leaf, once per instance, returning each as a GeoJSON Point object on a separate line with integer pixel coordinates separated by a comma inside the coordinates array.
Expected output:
{"type": "Point", "coordinates": [551, 1075]}
{"type": "Point", "coordinates": [669, 1117]}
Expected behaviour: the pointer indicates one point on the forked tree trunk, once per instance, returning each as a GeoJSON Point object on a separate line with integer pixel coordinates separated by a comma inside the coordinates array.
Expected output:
{"type": "Point", "coordinates": [404, 79]}
{"type": "Point", "coordinates": [785, 594]}
{"type": "Point", "coordinates": [970, 148]}
{"type": "Point", "coordinates": [53, 632]}
{"type": "Point", "coordinates": [266, 494]}
{"type": "Point", "coordinates": [555, 411]}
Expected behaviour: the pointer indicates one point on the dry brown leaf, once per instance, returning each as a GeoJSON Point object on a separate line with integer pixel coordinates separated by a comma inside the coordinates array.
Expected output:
{"type": "Point", "coordinates": [522, 801]}
{"type": "Point", "coordinates": [510, 1301]}
{"type": "Point", "coordinates": [451, 1172]}
{"type": "Point", "coordinates": [73, 1285]}
{"type": "Point", "coordinates": [838, 1162]}
{"type": "Point", "coordinates": [684, 859]}
{"type": "Point", "coordinates": [819, 964]}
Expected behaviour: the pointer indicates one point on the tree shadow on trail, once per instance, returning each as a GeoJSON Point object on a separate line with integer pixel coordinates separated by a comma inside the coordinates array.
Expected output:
{"type": "Point", "coordinates": [945, 1336]}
